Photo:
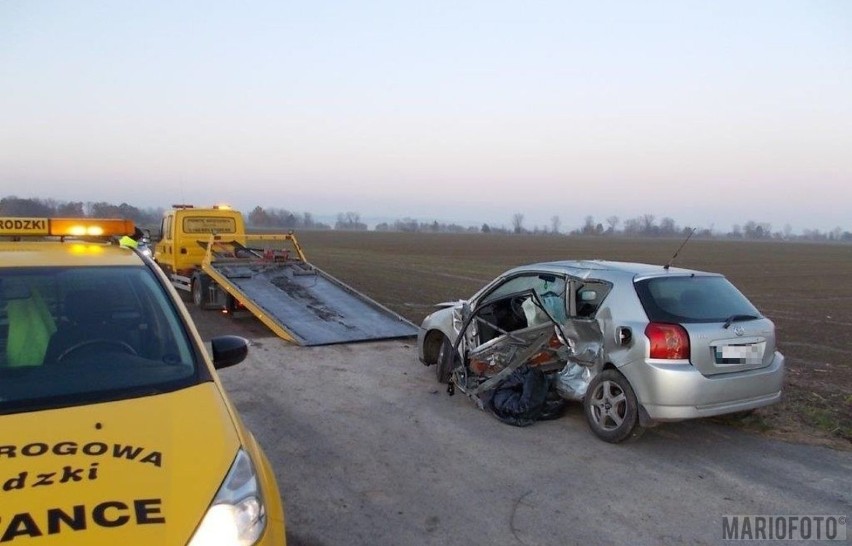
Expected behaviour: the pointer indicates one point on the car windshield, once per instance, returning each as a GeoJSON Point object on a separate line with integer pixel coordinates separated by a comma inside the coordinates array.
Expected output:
{"type": "Point", "coordinates": [78, 335]}
{"type": "Point", "coordinates": [693, 299]}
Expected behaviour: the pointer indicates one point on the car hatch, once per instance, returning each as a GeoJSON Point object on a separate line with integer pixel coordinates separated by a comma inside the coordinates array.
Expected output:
{"type": "Point", "coordinates": [742, 346]}
{"type": "Point", "coordinates": [726, 332]}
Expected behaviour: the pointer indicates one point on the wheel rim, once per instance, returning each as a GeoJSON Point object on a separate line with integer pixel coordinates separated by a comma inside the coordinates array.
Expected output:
{"type": "Point", "coordinates": [609, 405]}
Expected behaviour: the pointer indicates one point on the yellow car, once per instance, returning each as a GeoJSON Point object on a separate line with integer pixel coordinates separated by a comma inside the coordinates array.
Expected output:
{"type": "Point", "coordinates": [114, 427]}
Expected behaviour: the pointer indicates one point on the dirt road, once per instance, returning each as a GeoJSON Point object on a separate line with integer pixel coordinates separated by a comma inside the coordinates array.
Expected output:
{"type": "Point", "coordinates": [368, 449]}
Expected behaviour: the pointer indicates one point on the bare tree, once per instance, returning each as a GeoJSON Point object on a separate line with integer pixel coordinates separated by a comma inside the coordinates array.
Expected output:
{"type": "Point", "coordinates": [350, 221]}
{"type": "Point", "coordinates": [612, 222]}
{"type": "Point", "coordinates": [647, 221]}
{"type": "Point", "coordinates": [555, 223]}
{"type": "Point", "coordinates": [518, 222]}
{"type": "Point", "coordinates": [668, 227]}
{"type": "Point", "coordinates": [258, 217]}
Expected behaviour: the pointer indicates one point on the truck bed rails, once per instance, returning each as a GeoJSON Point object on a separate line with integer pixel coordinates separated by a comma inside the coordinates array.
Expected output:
{"type": "Point", "coordinates": [298, 301]}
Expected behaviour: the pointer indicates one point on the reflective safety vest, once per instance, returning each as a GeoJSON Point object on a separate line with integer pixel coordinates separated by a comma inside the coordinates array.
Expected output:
{"type": "Point", "coordinates": [128, 241]}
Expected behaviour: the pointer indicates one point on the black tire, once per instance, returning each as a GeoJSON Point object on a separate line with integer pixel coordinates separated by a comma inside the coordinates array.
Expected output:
{"type": "Point", "coordinates": [445, 362]}
{"type": "Point", "coordinates": [611, 408]}
{"type": "Point", "coordinates": [200, 291]}
{"type": "Point", "coordinates": [185, 296]}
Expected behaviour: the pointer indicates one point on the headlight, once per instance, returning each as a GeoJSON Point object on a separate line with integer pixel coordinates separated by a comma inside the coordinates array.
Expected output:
{"type": "Point", "coordinates": [237, 515]}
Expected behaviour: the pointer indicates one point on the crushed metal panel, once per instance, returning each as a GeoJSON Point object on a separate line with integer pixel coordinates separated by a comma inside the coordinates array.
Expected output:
{"type": "Point", "coordinates": [573, 348]}
{"type": "Point", "coordinates": [586, 359]}
{"type": "Point", "coordinates": [511, 351]}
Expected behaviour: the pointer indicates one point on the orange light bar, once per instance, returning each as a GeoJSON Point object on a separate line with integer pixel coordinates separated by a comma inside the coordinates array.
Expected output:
{"type": "Point", "coordinates": [92, 227]}
{"type": "Point", "coordinates": [65, 227]}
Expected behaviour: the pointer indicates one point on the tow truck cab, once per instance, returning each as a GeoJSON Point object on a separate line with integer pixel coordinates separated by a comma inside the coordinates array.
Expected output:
{"type": "Point", "coordinates": [184, 232]}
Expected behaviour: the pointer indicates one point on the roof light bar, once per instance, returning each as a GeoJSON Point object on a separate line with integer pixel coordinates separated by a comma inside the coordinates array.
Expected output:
{"type": "Point", "coordinates": [65, 227]}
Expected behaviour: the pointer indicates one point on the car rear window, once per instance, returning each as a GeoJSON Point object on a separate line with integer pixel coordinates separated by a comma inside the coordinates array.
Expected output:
{"type": "Point", "coordinates": [692, 299]}
{"type": "Point", "coordinates": [76, 335]}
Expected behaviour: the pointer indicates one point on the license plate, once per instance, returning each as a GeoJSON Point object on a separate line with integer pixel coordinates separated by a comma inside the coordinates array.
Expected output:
{"type": "Point", "coordinates": [741, 354]}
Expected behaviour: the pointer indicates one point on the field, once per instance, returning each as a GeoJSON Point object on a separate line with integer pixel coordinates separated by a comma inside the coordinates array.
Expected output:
{"type": "Point", "coordinates": [806, 289]}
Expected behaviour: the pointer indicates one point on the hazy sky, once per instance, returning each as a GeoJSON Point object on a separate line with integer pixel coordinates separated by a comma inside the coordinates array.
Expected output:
{"type": "Point", "coordinates": [712, 113]}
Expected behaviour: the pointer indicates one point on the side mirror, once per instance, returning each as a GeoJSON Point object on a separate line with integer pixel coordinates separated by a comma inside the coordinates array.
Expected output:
{"type": "Point", "coordinates": [229, 350]}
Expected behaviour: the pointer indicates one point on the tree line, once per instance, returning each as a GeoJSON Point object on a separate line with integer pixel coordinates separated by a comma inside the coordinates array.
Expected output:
{"type": "Point", "coordinates": [51, 208]}
{"type": "Point", "coordinates": [282, 218]}
{"type": "Point", "coordinates": [645, 225]}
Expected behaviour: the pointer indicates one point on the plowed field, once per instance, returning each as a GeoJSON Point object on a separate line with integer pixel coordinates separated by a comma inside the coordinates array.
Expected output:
{"type": "Point", "coordinates": [806, 289]}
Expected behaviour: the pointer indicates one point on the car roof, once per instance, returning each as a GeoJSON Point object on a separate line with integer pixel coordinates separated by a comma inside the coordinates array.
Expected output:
{"type": "Point", "coordinates": [609, 269]}
{"type": "Point", "coordinates": [70, 253]}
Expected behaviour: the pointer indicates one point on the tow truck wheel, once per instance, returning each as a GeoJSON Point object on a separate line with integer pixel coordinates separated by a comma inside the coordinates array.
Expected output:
{"type": "Point", "coordinates": [200, 289]}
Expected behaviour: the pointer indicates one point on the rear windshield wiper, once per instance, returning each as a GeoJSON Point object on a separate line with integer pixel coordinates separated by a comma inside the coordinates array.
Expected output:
{"type": "Point", "coordinates": [734, 318]}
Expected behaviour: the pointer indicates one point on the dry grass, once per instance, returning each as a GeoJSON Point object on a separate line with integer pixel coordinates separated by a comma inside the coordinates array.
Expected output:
{"type": "Point", "coordinates": [805, 288]}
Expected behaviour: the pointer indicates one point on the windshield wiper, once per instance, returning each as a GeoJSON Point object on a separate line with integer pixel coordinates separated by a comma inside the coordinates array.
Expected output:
{"type": "Point", "coordinates": [734, 318]}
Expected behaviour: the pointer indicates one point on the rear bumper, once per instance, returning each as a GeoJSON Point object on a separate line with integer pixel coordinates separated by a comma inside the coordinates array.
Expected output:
{"type": "Point", "coordinates": [672, 392]}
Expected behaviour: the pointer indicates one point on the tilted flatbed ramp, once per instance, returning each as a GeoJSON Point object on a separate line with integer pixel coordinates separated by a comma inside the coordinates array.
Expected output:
{"type": "Point", "coordinates": [302, 303]}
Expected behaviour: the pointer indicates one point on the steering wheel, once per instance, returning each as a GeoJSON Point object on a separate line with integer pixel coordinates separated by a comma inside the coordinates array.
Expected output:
{"type": "Point", "coordinates": [517, 305]}
{"type": "Point", "coordinates": [125, 347]}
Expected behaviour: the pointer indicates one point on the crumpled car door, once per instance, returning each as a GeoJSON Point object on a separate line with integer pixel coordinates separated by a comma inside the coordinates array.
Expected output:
{"type": "Point", "coordinates": [506, 333]}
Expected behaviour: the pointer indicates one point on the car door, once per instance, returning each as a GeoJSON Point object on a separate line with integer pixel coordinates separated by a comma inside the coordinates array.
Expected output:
{"type": "Point", "coordinates": [516, 323]}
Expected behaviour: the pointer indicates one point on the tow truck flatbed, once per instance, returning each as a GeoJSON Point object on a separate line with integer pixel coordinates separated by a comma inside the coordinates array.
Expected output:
{"type": "Point", "coordinates": [298, 301]}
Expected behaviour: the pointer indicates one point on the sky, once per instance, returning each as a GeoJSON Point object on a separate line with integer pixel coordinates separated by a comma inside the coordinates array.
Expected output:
{"type": "Point", "coordinates": [712, 113]}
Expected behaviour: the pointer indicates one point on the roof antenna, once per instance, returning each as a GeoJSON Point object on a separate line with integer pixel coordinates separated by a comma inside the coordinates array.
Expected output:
{"type": "Point", "coordinates": [671, 261]}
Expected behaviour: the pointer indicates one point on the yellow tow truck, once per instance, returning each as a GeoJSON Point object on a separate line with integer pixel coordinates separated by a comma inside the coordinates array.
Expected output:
{"type": "Point", "coordinates": [208, 254]}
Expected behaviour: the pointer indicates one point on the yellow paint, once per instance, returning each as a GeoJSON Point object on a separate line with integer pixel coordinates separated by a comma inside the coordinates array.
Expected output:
{"type": "Point", "coordinates": [23, 226]}
{"type": "Point", "coordinates": [29, 253]}
{"type": "Point", "coordinates": [170, 449]}
{"type": "Point", "coordinates": [183, 229]}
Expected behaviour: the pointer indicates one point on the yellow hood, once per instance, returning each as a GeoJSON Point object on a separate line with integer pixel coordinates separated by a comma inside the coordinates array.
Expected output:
{"type": "Point", "coordinates": [139, 471]}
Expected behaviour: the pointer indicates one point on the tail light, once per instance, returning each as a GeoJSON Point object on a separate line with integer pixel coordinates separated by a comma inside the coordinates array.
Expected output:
{"type": "Point", "coordinates": [668, 341]}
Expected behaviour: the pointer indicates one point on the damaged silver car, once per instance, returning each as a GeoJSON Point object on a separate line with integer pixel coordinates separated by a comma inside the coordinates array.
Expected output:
{"type": "Point", "coordinates": [637, 344]}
